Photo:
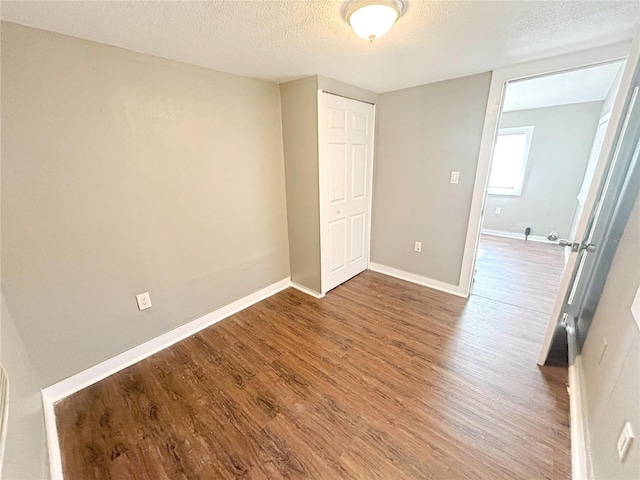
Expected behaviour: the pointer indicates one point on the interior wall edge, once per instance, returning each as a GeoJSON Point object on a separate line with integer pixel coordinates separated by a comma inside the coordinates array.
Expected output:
{"type": "Point", "coordinates": [53, 444]}
{"type": "Point", "coordinates": [418, 279]}
{"type": "Point", "coordinates": [342, 89]}
{"type": "Point", "coordinates": [91, 375]}
{"type": "Point", "coordinates": [71, 385]}
{"type": "Point", "coordinates": [518, 236]}
{"type": "Point", "coordinates": [299, 116]}
{"type": "Point", "coordinates": [306, 290]}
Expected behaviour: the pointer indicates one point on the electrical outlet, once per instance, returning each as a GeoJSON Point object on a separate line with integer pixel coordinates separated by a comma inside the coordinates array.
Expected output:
{"type": "Point", "coordinates": [144, 301]}
{"type": "Point", "coordinates": [498, 210]}
{"type": "Point", "coordinates": [455, 177]}
{"type": "Point", "coordinates": [624, 441]}
{"type": "Point", "coordinates": [417, 247]}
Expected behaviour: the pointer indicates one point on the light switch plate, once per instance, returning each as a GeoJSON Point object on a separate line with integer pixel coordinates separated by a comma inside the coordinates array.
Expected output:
{"type": "Point", "coordinates": [635, 307]}
{"type": "Point", "coordinates": [144, 300]}
{"type": "Point", "coordinates": [498, 210]}
{"type": "Point", "coordinates": [455, 177]}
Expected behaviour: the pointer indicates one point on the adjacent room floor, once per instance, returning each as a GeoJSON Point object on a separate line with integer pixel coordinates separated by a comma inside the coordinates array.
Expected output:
{"type": "Point", "coordinates": [522, 273]}
{"type": "Point", "coordinates": [381, 379]}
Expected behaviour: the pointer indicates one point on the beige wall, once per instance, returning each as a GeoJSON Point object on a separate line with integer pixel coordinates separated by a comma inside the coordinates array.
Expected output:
{"type": "Point", "coordinates": [424, 133]}
{"type": "Point", "coordinates": [611, 384]}
{"type": "Point", "coordinates": [25, 456]}
{"type": "Point", "coordinates": [560, 148]}
{"type": "Point", "coordinates": [124, 173]}
{"type": "Point", "coordinates": [300, 139]}
{"type": "Point", "coordinates": [345, 90]}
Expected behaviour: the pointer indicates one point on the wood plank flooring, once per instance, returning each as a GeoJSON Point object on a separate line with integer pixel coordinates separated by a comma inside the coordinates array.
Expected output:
{"type": "Point", "coordinates": [522, 273]}
{"type": "Point", "coordinates": [381, 379]}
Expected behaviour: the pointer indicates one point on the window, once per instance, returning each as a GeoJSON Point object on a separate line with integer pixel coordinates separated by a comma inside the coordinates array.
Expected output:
{"type": "Point", "coordinates": [509, 161]}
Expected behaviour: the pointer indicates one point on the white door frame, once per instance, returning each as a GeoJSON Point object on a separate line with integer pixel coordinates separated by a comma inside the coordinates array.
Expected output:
{"type": "Point", "coordinates": [499, 79]}
{"type": "Point", "coordinates": [321, 156]}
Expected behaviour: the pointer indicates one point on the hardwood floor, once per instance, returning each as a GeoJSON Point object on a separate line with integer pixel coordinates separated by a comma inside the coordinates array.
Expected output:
{"type": "Point", "coordinates": [524, 274]}
{"type": "Point", "coordinates": [381, 379]}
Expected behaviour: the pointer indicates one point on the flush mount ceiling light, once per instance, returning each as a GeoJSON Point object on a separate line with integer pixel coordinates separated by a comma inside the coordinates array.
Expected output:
{"type": "Point", "coordinates": [371, 19]}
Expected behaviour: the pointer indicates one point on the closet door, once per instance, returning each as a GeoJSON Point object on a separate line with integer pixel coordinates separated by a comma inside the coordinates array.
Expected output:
{"type": "Point", "coordinates": [346, 173]}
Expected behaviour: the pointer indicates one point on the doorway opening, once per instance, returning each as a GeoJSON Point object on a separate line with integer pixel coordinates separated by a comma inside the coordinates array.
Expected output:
{"type": "Point", "coordinates": [550, 132]}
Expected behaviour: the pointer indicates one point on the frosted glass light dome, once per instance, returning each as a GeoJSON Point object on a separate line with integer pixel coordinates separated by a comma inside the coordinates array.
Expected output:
{"type": "Point", "coordinates": [372, 19]}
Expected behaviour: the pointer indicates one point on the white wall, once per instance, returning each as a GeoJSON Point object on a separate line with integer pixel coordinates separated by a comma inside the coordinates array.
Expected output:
{"type": "Point", "coordinates": [124, 173]}
{"type": "Point", "coordinates": [560, 147]}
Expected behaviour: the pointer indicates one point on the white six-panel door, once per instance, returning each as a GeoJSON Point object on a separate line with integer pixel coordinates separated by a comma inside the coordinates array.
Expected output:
{"type": "Point", "coordinates": [346, 172]}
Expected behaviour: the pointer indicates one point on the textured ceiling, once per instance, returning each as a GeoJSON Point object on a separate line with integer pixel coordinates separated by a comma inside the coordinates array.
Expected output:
{"type": "Point", "coordinates": [284, 40]}
{"type": "Point", "coordinates": [560, 88]}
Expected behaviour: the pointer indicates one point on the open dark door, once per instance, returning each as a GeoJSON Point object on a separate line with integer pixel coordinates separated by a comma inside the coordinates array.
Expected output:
{"type": "Point", "coordinates": [616, 195]}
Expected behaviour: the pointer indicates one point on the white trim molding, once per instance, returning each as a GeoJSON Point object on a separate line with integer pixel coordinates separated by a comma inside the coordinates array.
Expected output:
{"type": "Point", "coordinates": [418, 279]}
{"type": "Point", "coordinates": [306, 290]}
{"type": "Point", "coordinates": [51, 432]}
{"type": "Point", "coordinates": [519, 236]}
{"type": "Point", "coordinates": [580, 457]}
{"type": "Point", "coordinates": [73, 384]}
{"type": "Point", "coordinates": [123, 360]}
{"type": "Point", "coordinates": [579, 452]}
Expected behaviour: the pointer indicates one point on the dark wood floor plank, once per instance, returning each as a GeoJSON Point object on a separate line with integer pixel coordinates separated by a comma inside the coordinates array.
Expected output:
{"type": "Point", "coordinates": [380, 379]}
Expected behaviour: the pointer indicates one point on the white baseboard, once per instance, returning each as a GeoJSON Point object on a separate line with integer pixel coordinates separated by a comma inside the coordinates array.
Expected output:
{"type": "Point", "coordinates": [519, 236]}
{"type": "Point", "coordinates": [580, 458]}
{"type": "Point", "coordinates": [306, 290]}
{"type": "Point", "coordinates": [64, 388]}
{"type": "Point", "coordinates": [579, 452]}
{"type": "Point", "coordinates": [419, 279]}
{"type": "Point", "coordinates": [115, 364]}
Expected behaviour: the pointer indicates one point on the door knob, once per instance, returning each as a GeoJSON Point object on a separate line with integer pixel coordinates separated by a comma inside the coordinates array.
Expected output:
{"type": "Point", "coordinates": [568, 243]}
{"type": "Point", "coordinates": [338, 211]}
{"type": "Point", "coordinates": [576, 247]}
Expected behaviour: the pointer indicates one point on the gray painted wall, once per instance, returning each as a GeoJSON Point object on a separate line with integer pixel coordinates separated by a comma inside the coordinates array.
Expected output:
{"type": "Point", "coordinates": [424, 133]}
{"type": "Point", "coordinates": [560, 148]}
{"type": "Point", "coordinates": [124, 173]}
{"type": "Point", "coordinates": [300, 138]}
{"type": "Point", "coordinates": [611, 384]}
{"type": "Point", "coordinates": [345, 90]}
{"type": "Point", "coordinates": [25, 456]}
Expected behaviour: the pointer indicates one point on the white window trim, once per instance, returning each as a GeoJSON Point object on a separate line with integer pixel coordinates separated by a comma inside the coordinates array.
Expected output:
{"type": "Point", "coordinates": [528, 131]}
